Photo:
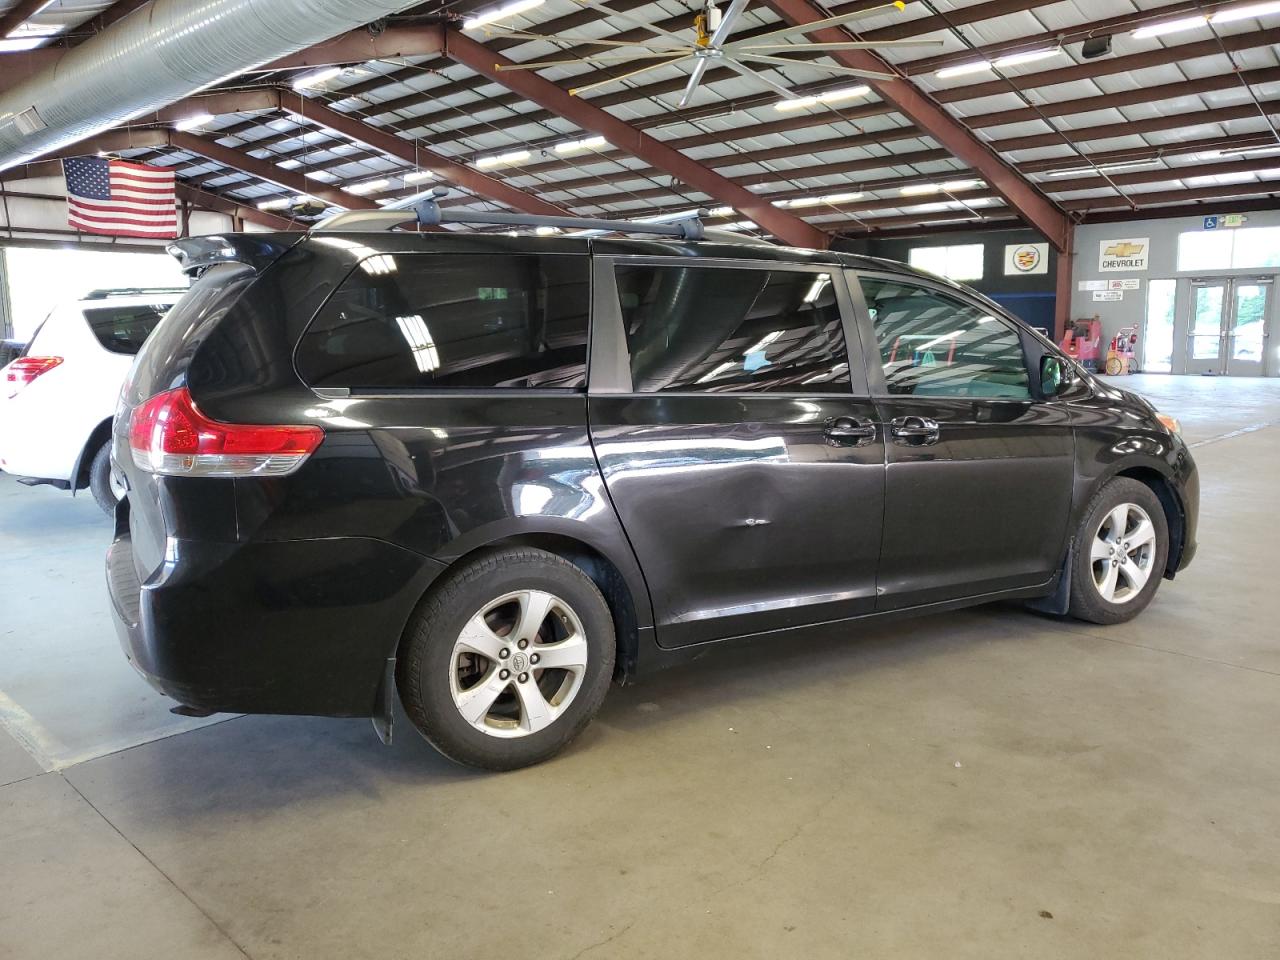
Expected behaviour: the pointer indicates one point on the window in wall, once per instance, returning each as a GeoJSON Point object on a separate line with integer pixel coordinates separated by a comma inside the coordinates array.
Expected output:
{"type": "Point", "coordinates": [962, 262]}
{"type": "Point", "coordinates": [1157, 336]}
{"type": "Point", "coordinates": [714, 330]}
{"type": "Point", "coordinates": [1247, 248]}
{"type": "Point", "coordinates": [453, 320]}
{"type": "Point", "coordinates": [933, 344]}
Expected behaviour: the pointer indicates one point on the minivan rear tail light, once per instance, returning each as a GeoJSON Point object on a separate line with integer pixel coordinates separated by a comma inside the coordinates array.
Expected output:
{"type": "Point", "coordinates": [169, 436]}
{"type": "Point", "coordinates": [25, 369]}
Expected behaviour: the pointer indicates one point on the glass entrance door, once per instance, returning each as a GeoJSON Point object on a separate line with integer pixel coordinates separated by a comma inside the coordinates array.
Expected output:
{"type": "Point", "coordinates": [1246, 334]}
{"type": "Point", "coordinates": [1226, 331]}
{"type": "Point", "coordinates": [1204, 332]}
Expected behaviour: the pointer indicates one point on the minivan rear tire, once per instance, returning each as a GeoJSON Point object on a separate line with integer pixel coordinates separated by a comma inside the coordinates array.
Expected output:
{"type": "Point", "coordinates": [436, 668]}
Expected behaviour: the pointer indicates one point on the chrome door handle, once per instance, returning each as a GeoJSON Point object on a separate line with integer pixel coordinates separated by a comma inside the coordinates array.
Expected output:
{"type": "Point", "coordinates": [914, 430]}
{"type": "Point", "coordinates": [846, 431]}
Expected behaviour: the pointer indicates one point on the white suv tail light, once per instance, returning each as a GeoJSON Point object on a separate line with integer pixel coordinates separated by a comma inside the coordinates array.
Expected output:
{"type": "Point", "coordinates": [25, 369]}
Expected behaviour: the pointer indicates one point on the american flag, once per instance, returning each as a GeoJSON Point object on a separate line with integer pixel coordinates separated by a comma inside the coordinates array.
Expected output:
{"type": "Point", "coordinates": [120, 198]}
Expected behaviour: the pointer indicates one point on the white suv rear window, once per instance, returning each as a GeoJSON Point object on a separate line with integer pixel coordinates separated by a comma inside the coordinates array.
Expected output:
{"type": "Point", "coordinates": [123, 329]}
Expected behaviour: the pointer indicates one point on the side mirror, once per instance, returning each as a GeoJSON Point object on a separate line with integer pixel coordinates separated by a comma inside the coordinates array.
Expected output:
{"type": "Point", "coordinates": [1055, 375]}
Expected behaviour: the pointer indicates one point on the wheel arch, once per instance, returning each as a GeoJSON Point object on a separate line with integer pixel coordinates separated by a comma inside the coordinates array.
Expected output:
{"type": "Point", "coordinates": [614, 573]}
{"type": "Point", "coordinates": [1174, 511]}
{"type": "Point", "coordinates": [97, 436]}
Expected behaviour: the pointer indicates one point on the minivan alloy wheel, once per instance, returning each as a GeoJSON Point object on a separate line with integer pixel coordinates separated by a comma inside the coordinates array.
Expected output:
{"type": "Point", "coordinates": [518, 663]}
{"type": "Point", "coordinates": [1123, 552]}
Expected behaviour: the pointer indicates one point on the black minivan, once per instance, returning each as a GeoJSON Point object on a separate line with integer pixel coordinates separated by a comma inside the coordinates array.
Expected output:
{"type": "Point", "coordinates": [494, 473]}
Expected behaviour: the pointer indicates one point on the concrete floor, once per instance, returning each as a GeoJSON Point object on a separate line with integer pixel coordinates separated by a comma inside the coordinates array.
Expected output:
{"type": "Point", "coordinates": [985, 784]}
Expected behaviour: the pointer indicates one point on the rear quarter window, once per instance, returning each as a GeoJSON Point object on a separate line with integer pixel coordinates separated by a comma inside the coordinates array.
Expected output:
{"type": "Point", "coordinates": [410, 321]}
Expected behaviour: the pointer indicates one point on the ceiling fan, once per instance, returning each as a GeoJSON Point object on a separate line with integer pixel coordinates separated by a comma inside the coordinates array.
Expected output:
{"type": "Point", "coordinates": [711, 44]}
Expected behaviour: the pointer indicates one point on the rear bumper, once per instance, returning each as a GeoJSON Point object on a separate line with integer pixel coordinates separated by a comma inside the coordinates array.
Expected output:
{"type": "Point", "coordinates": [32, 446]}
{"type": "Point", "coordinates": [300, 627]}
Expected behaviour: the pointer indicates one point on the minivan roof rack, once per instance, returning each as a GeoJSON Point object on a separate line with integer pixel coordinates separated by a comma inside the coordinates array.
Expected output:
{"type": "Point", "coordinates": [106, 292]}
{"type": "Point", "coordinates": [429, 213]}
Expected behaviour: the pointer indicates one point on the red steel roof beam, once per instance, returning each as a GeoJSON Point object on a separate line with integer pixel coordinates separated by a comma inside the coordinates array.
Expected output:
{"type": "Point", "coordinates": [1032, 205]}
{"type": "Point", "coordinates": [786, 227]}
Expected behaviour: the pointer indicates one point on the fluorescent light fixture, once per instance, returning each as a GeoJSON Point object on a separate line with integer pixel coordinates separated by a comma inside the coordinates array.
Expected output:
{"type": "Point", "coordinates": [831, 96]}
{"type": "Point", "coordinates": [1169, 26]}
{"type": "Point", "coordinates": [720, 212]}
{"type": "Point", "coordinates": [1107, 167]}
{"type": "Point", "coordinates": [1245, 13]}
{"type": "Point", "coordinates": [952, 186]}
{"type": "Point", "coordinates": [815, 201]}
{"type": "Point", "coordinates": [502, 12]}
{"type": "Point", "coordinates": [1030, 56]}
{"type": "Point", "coordinates": [503, 159]}
{"type": "Point", "coordinates": [18, 44]}
{"type": "Point", "coordinates": [280, 203]}
{"type": "Point", "coordinates": [919, 189]}
{"type": "Point", "coordinates": [1220, 179]}
{"type": "Point", "coordinates": [369, 186]}
{"type": "Point", "coordinates": [577, 146]}
{"type": "Point", "coordinates": [417, 176]}
{"type": "Point", "coordinates": [309, 80]}
{"type": "Point", "coordinates": [960, 69]}
{"type": "Point", "coordinates": [546, 231]}
{"type": "Point", "coordinates": [740, 225]}
{"type": "Point", "coordinates": [1243, 151]}
{"type": "Point", "coordinates": [669, 217]}
{"type": "Point", "coordinates": [190, 123]}
{"type": "Point", "coordinates": [29, 35]}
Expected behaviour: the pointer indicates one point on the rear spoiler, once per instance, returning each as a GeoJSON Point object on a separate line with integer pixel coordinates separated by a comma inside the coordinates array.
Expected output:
{"type": "Point", "coordinates": [257, 250]}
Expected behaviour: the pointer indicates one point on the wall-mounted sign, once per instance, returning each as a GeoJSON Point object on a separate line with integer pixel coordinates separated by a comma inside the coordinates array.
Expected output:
{"type": "Point", "coordinates": [1026, 258]}
{"type": "Point", "coordinates": [1109, 296]}
{"type": "Point", "coordinates": [1123, 256]}
{"type": "Point", "coordinates": [1224, 220]}
{"type": "Point", "coordinates": [1091, 285]}
{"type": "Point", "coordinates": [1128, 283]}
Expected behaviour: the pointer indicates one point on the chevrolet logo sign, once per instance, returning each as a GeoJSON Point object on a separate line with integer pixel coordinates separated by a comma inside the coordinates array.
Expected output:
{"type": "Point", "coordinates": [1123, 249]}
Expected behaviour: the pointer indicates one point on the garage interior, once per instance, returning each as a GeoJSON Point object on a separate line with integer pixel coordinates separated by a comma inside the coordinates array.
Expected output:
{"type": "Point", "coordinates": [991, 782]}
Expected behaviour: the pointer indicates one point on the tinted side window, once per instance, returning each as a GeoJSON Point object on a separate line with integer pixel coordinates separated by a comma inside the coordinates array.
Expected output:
{"type": "Point", "coordinates": [452, 320]}
{"type": "Point", "coordinates": [932, 344]}
{"type": "Point", "coordinates": [732, 330]}
{"type": "Point", "coordinates": [124, 329]}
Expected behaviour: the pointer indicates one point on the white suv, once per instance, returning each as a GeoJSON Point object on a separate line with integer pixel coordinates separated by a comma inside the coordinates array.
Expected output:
{"type": "Point", "coordinates": [57, 397]}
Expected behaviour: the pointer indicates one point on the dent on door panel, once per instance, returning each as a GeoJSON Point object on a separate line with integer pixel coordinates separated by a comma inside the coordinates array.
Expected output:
{"type": "Point", "coordinates": [743, 517]}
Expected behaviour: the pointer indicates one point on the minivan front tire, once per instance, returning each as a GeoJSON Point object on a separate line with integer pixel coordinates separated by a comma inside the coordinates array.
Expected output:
{"type": "Point", "coordinates": [1119, 553]}
{"type": "Point", "coordinates": [507, 659]}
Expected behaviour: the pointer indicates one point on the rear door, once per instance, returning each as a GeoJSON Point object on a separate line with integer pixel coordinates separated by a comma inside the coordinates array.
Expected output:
{"type": "Point", "coordinates": [979, 471]}
{"type": "Point", "coordinates": [737, 442]}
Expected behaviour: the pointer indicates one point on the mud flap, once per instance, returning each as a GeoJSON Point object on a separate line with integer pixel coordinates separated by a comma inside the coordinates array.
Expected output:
{"type": "Point", "coordinates": [1059, 601]}
{"type": "Point", "coordinates": [384, 705]}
